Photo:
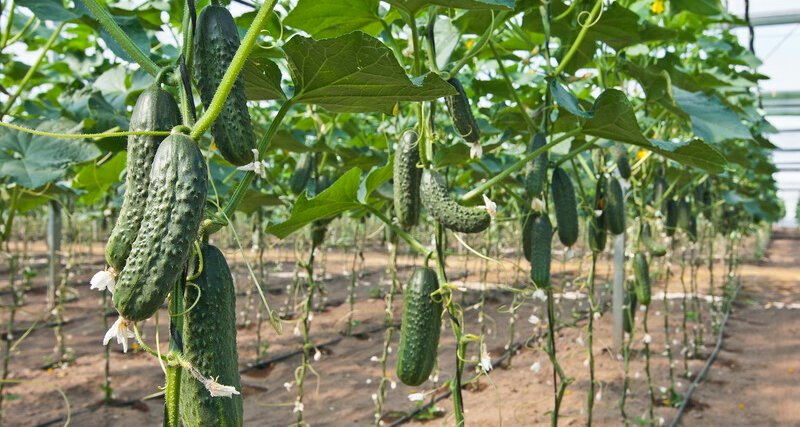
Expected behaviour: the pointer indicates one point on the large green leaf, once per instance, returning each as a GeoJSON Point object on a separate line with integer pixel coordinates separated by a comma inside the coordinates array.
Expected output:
{"type": "Point", "coordinates": [95, 179]}
{"type": "Point", "coordinates": [50, 10]}
{"type": "Point", "coordinates": [415, 5]}
{"type": "Point", "coordinates": [656, 83]}
{"type": "Point", "coordinates": [33, 160]}
{"type": "Point", "coordinates": [618, 27]}
{"type": "Point", "coordinates": [613, 118]}
{"type": "Point", "coordinates": [700, 7]}
{"type": "Point", "coordinates": [332, 18]}
{"type": "Point", "coordinates": [355, 73]}
{"type": "Point", "coordinates": [254, 200]}
{"type": "Point", "coordinates": [262, 79]}
{"type": "Point", "coordinates": [711, 119]}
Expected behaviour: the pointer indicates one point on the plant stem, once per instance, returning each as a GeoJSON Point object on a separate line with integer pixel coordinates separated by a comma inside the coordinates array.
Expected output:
{"type": "Point", "coordinates": [174, 372]}
{"type": "Point", "coordinates": [121, 37]}
{"type": "Point", "coordinates": [32, 70]}
{"type": "Point", "coordinates": [221, 95]}
{"type": "Point", "coordinates": [388, 321]}
{"type": "Point", "coordinates": [581, 35]}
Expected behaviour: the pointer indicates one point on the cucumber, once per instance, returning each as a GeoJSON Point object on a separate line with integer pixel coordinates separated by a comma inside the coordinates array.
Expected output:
{"type": "Point", "coordinates": [537, 168]}
{"type": "Point", "coordinates": [671, 221]}
{"type": "Point", "coordinates": [419, 333]}
{"type": "Point", "coordinates": [691, 229]}
{"type": "Point", "coordinates": [566, 207]}
{"type": "Point", "coordinates": [406, 179]}
{"type": "Point", "coordinates": [614, 212]}
{"type": "Point", "coordinates": [659, 189]}
{"type": "Point", "coordinates": [620, 157]}
{"type": "Point", "coordinates": [209, 344]}
{"type": "Point", "coordinates": [461, 113]}
{"type": "Point", "coordinates": [650, 243]}
{"type": "Point", "coordinates": [155, 109]}
{"type": "Point", "coordinates": [448, 212]}
{"type": "Point", "coordinates": [641, 274]}
{"type": "Point", "coordinates": [176, 197]}
{"type": "Point", "coordinates": [596, 228]}
{"type": "Point", "coordinates": [541, 237]}
{"type": "Point", "coordinates": [629, 311]}
{"type": "Point", "coordinates": [683, 215]}
{"type": "Point", "coordinates": [216, 40]}
{"type": "Point", "coordinates": [302, 173]}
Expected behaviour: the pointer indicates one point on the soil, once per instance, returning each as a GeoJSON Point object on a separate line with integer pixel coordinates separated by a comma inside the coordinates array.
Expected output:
{"type": "Point", "coordinates": [754, 381]}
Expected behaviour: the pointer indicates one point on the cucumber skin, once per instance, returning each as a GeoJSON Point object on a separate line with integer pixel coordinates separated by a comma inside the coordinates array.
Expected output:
{"type": "Point", "coordinates": [463, 120]}
{"type": "Point", "coordinates": [209, 344]}
{"type": "Point", "coordinates": [614, 212]}
{"type": "Point", "coordinates": [621, 159]}
{"type": "Point", "coordinates": [641, 273]}
{"type": "Point", "coordinates": [155, 109]}
{"type": "Point", "coordinates": [302, 173]}
{"type": "Point", "coordinates": [406, 177]}
{"type": "Point", "coordinates": [537, 168]}
{"type": "Point", "coordinates": [541, 236]}
{"type": "Point", "coordinates": [596, 228]}
{"type": "Point", "coordinates": [176, 197]}
{"type": "Point", "coordinates": [671, 221]}
{"type": "Point", "coordinates": [566, 207]}
{"type": "Point", "coordinates": [419, 333]}
{"type": "Point", "coordinates": [443, 208]}
{"type": "Point", "coordinates": [215, 43]}
{"type": "Point", "coordinates": [652, 246]}
{"type": "Point", "coordinates": [629, 311]}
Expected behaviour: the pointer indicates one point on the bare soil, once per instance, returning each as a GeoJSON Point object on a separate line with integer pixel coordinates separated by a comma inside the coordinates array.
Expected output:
{"type": "Point", "coordinates": [755, 380]}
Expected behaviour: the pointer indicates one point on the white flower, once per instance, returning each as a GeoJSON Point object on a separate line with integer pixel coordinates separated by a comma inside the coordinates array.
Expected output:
{"type": "Point", "coordinates": [536, 367]}
{"type": "Point", "coordinates": [476, 151]}
{"type": "Point", "coordinates": [663, 390]}
{"type": "Point", "coordinates": [534, 319]}
{"type": "Point", "coordinates": [416, 397]}
{"type": "Point", "coordinates": [489, 206]}
{"type": "Point", "coordinates": [369, 381]}
{"type": "Point", "coordinates": [597, 315]}
{"type": "Point", "coordinates": [296, 331]}
{"type": "Point", "coordinates": [661, 421]}
{"type": "Point", "coordinates": [317, 355]}
{"type": "Point", "coordinates": [579, 340]}
{"type": "Point", "coordinates": [102, 280]}
{"type": "Point", "coordinates": [598, 213]}
{"type": "Point", "coordinates": [537, 205]}
{"type": "Point", "coordinates": [119, 330]}
{"type": "Point", "coordinates": [288, 386]}
{"type": "Point", "coordinates": [540, 295]}
{"type": "Point", "coordinates": [218, 390]}
{"type": "Point", "coordinates": [258, 166]}
{"type": "Point", "coordinates": [374, 359]}
{"type": "Point", "coordinates": [375, 398]}
{"type": "Point", "coordinates": [598, 396]}
{"type": "Point", "coordinates": [392, 384]}
{"type": "Point", "coordinates": [298, 406]}
{"type": "Point", "coordinates": [486, 360]}
{"type": "Point", "coordinates": [647, 339]}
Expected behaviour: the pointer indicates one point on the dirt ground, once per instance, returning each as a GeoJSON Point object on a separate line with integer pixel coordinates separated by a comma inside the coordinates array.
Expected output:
{"type": "Point", "coordinates": [753, 382]}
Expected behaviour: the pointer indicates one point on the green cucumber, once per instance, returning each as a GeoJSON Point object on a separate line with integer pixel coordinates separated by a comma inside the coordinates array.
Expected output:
{"type": "Point", "coordinates": [650, 243]}
{"type": "Point", "coordinates": [566, 207]}
{"type": "Point", "coordinates": [209, 345]}
{"type": "Point", "coordinates": [461, 113]}
{"type": "Point", "coordinates": [684, 213]}
{"type": "Point", "coordinates": [614, 212]}
{"type": "Point", "coordinates": [629, 307]}
{"type": "Point", "coordinates": [620, 157]}
{"type": "Point", "coordinates": [448, 212]}
{"type": "Point", "coordinates": [541, 237]}
{"type": "Point", "coordinates": [216, 41]}
{"type": "Point", "coordinates": [641, 274]}
{"type": "Point", "coordinates": [302, 173]}
{"type": "Point", "coordinates": [537, 168]}
{"type": "Point", "coordinates": [419, 333]}
{"type": "Point", "coordinates": [155, 109]}
{"type": "Point", "coordinates": [406, 179]}
{"type": "Point", "coordinates": [671, 221]}
{"type": "Point", "coordinates": [659, 190]}
{"type": "Point", "coordinates": [596, 228]}
{"type": "Point", "coordinates": [176, 197]}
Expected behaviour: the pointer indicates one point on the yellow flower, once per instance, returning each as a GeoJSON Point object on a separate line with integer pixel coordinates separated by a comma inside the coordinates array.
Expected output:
{"type": "Point", "coordinates": [657, 7]}
{"type": "Point", "coordinates": [791, 370]}
{"type": "Point", "coordinates": [470, 42]}
{"type": "Point", "coordinates": [640, 154]}
{"type": "Point", "coordinates": [741, 406]}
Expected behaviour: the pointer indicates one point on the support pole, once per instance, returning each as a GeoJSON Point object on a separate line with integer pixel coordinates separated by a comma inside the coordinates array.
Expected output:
{"type": "Point", "coordinates": [618, 294]}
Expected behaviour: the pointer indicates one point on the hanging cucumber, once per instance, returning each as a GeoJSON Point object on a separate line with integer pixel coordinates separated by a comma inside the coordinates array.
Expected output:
{"type": "Point", "coordinates": [419, 333]}
{"type": "Point", "coordinates": [302, 173]}
{"type": "Point", "coordinates": [176, 197]}
{"type": "Point", "coordinates": [614, 212]}
{"type": "Point", "coordinates": [209, 344]}
{"type": "Point", "coordinates": [566, 207]}
{"type": "Point", "coordinates": [461, 113]}
{"type": "Point", "coordinates": [406, 179]}
{"type": "Point", "coordinates": [620, 157]}
{"type": "Point", "coordinates": [216, 40]}
{"type": "Point", "coordinates": [448, 212]}
{"type": "Point", "coordinates": [541, 236]}
{"type": "Point", "coordinates": [597, 224]}
{"type": "Point", "coordinates": [650, 243]}
{"type": "Point", "coordinates": [641, 274]}
{"type": "Point", "coordinates": [155, 110]}
{"type": "Point", "coordinates": [537, 168]}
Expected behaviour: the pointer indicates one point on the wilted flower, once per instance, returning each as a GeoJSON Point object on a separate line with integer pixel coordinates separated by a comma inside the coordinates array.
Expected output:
{"type": "Point", "coordinates": [120, 331]}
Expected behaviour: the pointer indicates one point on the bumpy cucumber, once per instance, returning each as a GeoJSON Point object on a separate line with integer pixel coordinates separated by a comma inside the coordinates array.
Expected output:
{"type": "Point", "coordinates": [419, 333]}
{"type": "Point", "coordinates": [406, 179]}
{"type": "Point", "coordinates": [541, 236]}
{"type": "Point", "coordinates": [650, 243]}
{"type": "Point", "coordinates": [448, 212]}
{"type": "Point", "coordinates": [614, 212]}
{"type": "Point", "coordinates": [566, 207]}
{"type": "Point", "coordinates": [155, 110]}
{"type": "Point", "coordinates": [620, 157]}
{"type": "Point", "coordinates": [176, 197]}
{"type": "Point", "coordinates": [302, 173]}
{"type": "Point", "coordinates": [671, 221]}
{"type": "Point", "coordinates": [596, 228]}
{"type": "Point", "coordinates": [461, 113]}
{"type": "Point", "coordinates": [684, 213]}
{"type": "Point", "coordinates": [629, 311]}
{"type": "Point", "coordinates": [537, 168]}
{"type": "Point", "coordinates": [659, 189]}
{"type": "Point", "coordinates": [641, 274]}
{"type": "Point", "coordinates": [215, 43]}
{"type": "Point", "coordinates": [209, 344]}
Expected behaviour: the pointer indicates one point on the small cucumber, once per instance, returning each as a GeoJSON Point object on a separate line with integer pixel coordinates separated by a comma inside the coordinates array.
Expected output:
{"type": "Point", "coordinates": [641, 274]}
{"type": "Point", "coordinates": [419, 333]}
{"type": "Point", "coordinates": [537, 168]}
{"type": "Point", "coordinates": [461, 113]}
{"type": "Point", "coordinates": [447, 211]}
{"type": "Point", "coordinates": [650, 243]}
{"type": "Point", "coordinates": [302, 173]}
{"type": "Point", "coordinates": [620, 157]}
{"type": "Point", "coordinates": [566, 207]}
{"type": "Point", "coordinates": [614, 212]}
{"type": "Point", "coordinates": [406, 179]}
{"type": "Point", "coordinates": [541, 237]}
{"type": "Point", "coordinates": [671, 221]}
